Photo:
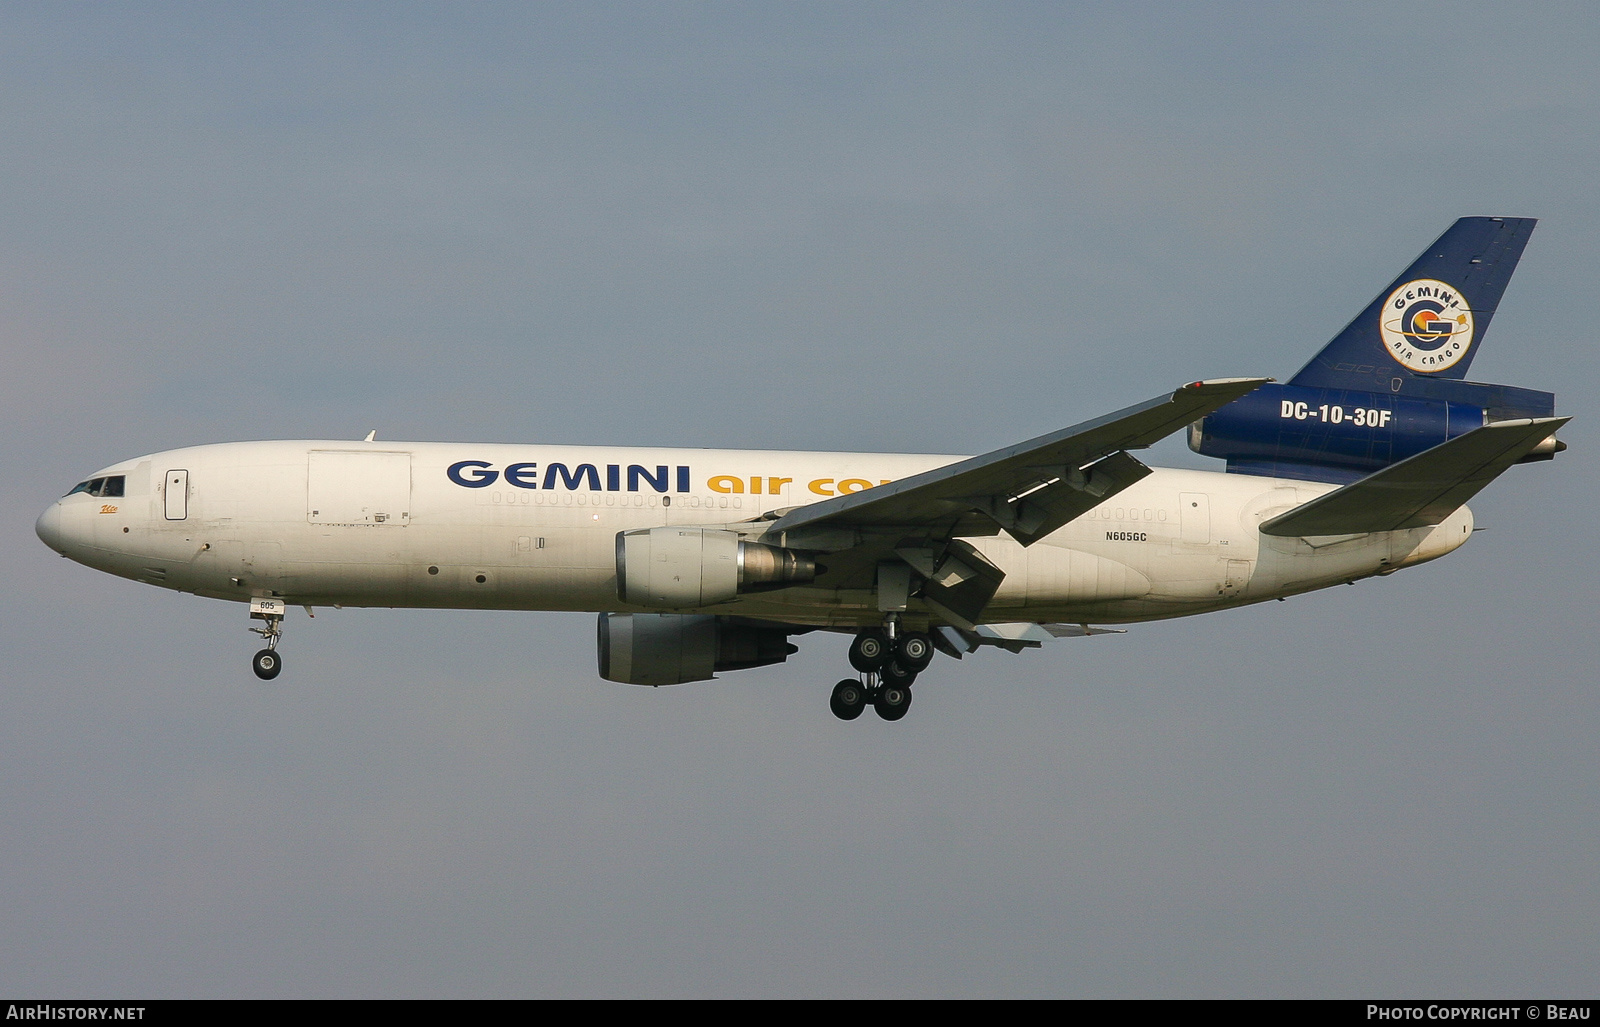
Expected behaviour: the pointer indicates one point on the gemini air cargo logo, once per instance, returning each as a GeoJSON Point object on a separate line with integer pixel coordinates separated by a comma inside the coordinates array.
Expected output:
{"type": "Point", "coordinates": [1426, 325]}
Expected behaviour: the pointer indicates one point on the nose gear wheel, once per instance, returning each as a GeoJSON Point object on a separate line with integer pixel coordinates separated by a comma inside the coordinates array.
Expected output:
{"type": "Point", "coordinates": [267, 663]}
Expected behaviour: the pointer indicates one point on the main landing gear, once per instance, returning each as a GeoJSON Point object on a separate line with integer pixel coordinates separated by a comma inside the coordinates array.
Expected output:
{"type": "Point", "coordinates": [889, 661]}
{"type": "Point", "coordinates": [267, 663]}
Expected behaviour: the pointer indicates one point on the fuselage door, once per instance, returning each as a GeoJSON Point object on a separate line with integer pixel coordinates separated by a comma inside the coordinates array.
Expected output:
{"type": "Point", "coordinates": [359, 487]}
{"type": "Point", "coordinates": [1237, 577]}
{"type": "Point", "coordinates": [1194, 516]}
{"type": "Point", "coordinates": [177, 489]}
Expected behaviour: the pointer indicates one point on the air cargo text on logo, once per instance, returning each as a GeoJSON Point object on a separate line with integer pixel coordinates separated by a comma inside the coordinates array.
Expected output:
{"type": "Point", "coordinates": [1426, 325]}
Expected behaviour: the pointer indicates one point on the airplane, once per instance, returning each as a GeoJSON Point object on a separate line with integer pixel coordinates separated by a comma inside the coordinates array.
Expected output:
{"type": "Point", "coordinates": [702, 562]}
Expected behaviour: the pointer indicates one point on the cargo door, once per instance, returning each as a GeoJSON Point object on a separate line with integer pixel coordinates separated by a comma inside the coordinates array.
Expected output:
{"type": "Point", "coordinates": [358, 487]}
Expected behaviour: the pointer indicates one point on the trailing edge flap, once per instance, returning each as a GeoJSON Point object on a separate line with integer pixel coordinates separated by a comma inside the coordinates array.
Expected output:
{"type": "Point", "coordinates": [959, 585]}
{"type": "Point", "coordinates": [1422, 490]}
{"type": "Point", "coordinates": [1013, 637]}
{"type": "Point", "coordinates": [1029, 489]}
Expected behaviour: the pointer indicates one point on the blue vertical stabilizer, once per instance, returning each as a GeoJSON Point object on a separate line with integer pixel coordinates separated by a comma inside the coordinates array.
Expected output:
{"type": "Point", "coordinates": [1426, 325]}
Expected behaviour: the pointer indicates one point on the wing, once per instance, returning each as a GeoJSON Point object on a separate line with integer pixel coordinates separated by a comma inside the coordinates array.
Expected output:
{"type": "Point", "coordinates": [1421, 490]}
{"type": "Point", "coordinates": [903, 540]}
{"type": "Point", "coordinates": [1027, 490]}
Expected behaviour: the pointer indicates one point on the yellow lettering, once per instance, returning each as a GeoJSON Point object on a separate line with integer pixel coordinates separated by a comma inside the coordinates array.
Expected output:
{"type": "Point", "coordinates": [725, 483]}
{"type": "Point", "coordinates": [108, 508]}
{"type": "Point", "coordinates": [854, 485]}
{"type": "Point", "coordinates": [822, 486]}
{"type": "Point", "coordinates": [755, 484]}
{"type": "Point", "coordinates": [775, 485]}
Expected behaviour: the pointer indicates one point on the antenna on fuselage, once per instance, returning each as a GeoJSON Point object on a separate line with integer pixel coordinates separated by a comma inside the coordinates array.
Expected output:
{"type": "Point", "coordinates": [373, 434]}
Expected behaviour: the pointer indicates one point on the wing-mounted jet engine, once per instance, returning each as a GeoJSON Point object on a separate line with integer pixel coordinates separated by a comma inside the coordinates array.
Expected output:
{"type": "Point", "coordinates": [675, 648]}
{"type": "Point", "coordinates": [684, 567]}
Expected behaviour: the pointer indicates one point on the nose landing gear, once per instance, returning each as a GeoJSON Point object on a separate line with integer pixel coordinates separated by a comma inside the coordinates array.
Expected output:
{"type": "Point", "coordinates": [267, 663]}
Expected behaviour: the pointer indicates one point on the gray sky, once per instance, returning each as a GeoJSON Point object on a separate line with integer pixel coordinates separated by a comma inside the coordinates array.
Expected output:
{"type": "Point", "coordinates": [919, 227]}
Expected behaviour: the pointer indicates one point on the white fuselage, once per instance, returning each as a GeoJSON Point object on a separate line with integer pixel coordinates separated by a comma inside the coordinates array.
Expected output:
{"type": "Point", "coordinates": [534, 528]}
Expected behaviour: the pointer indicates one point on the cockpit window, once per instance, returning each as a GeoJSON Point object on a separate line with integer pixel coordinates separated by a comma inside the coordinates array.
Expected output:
{"type": "Point", "coordinates": [112, 486]}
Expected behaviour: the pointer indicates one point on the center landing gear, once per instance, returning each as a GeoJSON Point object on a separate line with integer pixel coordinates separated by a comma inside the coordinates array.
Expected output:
{"type": "Point", "coordinates": [267, 663]}
{"type": "Point", "coordinates": [889, 661]}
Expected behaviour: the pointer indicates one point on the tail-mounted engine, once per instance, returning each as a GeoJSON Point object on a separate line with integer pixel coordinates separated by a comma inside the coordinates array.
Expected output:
{"type": "Point", "coordinates": [679, 568]}
{"type": "Point", "coordinates": [1337, 435]}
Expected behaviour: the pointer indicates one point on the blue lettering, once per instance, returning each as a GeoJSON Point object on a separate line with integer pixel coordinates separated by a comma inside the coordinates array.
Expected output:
{"type": "Point", "coordinates": [477, 474]}
{"type": "Point", "coordinates": [571, 480]}
{"type": "Point", "coordinates": [481, 475]}
{"type": "Point", "coordinates": [658, 480]}
{"type": "Point", "coordinates": [523, 476]}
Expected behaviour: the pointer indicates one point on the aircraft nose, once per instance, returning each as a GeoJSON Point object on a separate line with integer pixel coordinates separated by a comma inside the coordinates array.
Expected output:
{"type": "Point", "coordinates": [48, 526]}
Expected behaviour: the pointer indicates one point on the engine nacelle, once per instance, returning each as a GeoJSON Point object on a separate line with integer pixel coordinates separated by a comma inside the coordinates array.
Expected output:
{"type": "Point", "coordinates": [672, 648]}
{"type": "Point", "coordinates": [1327, 434]}
{"type": "Point", "coordinates": [680, 568]}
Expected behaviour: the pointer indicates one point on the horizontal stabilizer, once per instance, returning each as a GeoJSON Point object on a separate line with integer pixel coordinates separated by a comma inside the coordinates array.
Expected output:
{"type": "Point", "coordinates": [1422, 490]}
